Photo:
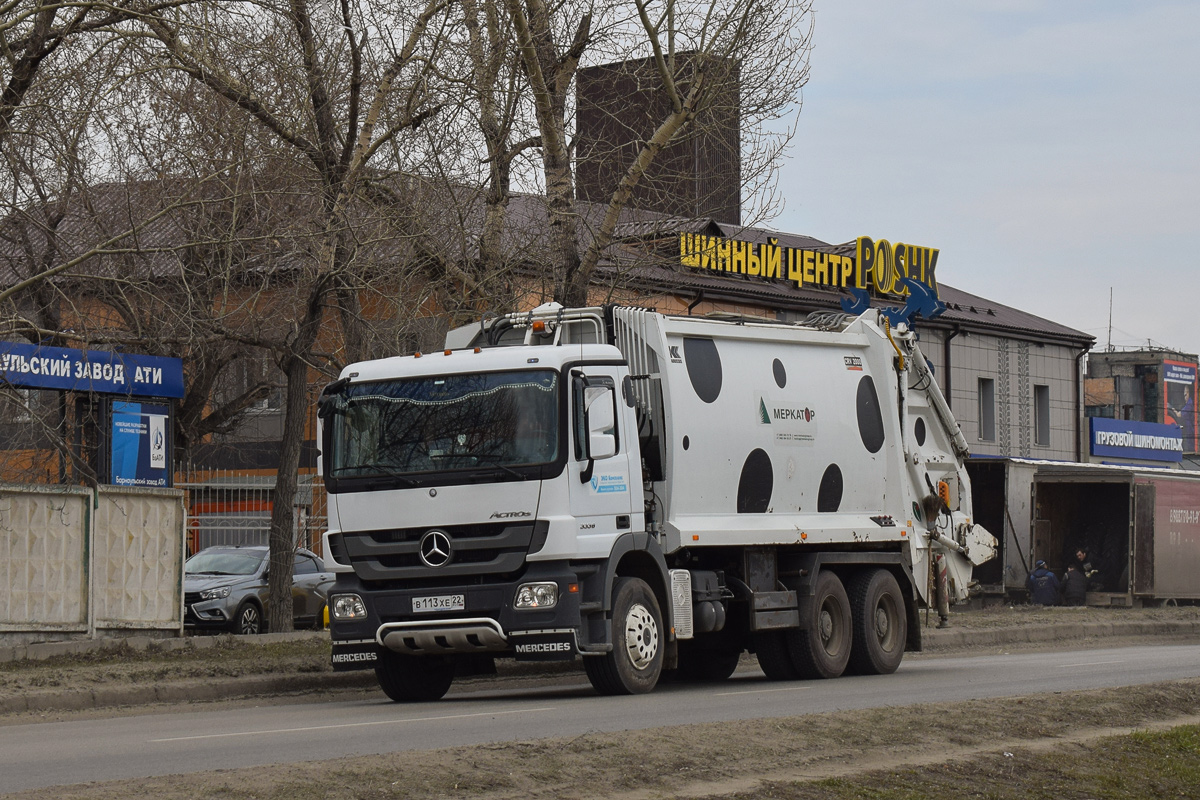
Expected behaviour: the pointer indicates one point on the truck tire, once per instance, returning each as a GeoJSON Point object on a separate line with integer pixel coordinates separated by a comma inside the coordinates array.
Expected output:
{"type": "Point", "coordinates": [774, 656]}
{"type": "Point", "coordinates": [248, 620]}
{"type": "Point", "coordinates": [880, 623]}
{"type": "Point", "coordinates": [414, 679]}
{"type": "Point", "coordinates": [821, 649]}
{"type": "Point", "coordinates": [635, 662]}
{"type": "Point", "coordinates": [698, 663]}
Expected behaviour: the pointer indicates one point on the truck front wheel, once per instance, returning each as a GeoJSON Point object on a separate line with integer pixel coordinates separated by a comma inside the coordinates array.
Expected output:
{"type": "Point", "coordinates": [414, 679]}
{"type": "Point", "coordinates": [635, 662]}
{"type": "Point", "coordinates": [880, 624]}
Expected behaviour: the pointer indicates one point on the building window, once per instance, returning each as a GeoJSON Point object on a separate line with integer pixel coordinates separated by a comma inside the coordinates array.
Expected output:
{"type": "Point", "coordinates": [1041, 415]}
{"type": "Point", "coordinates": [987, 409]}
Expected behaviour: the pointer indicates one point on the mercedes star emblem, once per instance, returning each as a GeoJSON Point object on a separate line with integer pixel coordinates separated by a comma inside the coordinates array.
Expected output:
{"type": "Point", "coordinates": [435, 548]}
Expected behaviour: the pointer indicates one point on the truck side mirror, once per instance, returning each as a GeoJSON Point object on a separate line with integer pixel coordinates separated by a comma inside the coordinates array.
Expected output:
{"type": "Point", "coordinates": [601, 422]}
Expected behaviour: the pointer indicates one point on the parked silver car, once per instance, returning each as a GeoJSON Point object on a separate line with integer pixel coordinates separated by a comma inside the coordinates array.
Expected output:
{"type": "Point", "coordinates": [225, 588]}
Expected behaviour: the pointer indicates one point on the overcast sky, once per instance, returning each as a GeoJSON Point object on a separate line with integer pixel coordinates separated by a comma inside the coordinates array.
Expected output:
{"type": "Point", "coordinates": [1050, 150]}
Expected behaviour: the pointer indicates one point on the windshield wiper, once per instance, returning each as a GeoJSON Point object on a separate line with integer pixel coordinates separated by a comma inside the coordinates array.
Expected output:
{"type": "Point", "coordinates": [377, 471]}
{"type": "Point", "coordinates": [381, 471]}
{"type": "Point", "coordinates": [493, 462]}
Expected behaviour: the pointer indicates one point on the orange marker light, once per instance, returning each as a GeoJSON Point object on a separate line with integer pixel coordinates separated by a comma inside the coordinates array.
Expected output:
{"type": "Point", "coordinates": [448, 352]}
{"type": "Point", "coordinates": [417, 354]}
{"type": "Point", "coordinates": [695, 537]}
{"type": "Point", "coordinates": [803, 536]}
{"type": "Point", "coordinates": [572, 588]}
{"type": "Point", "coordinates": [539, 326]}
{"type": "Point", "coordinates": [478, 349]}
{"type": "Point", "coordinates": [944, 492]}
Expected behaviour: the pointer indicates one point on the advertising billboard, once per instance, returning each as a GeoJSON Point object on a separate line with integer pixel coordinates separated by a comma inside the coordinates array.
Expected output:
{"type": "Point", "coordinates": [1179, 400]}
{"type": "Point", "coordinates": [140, 439]}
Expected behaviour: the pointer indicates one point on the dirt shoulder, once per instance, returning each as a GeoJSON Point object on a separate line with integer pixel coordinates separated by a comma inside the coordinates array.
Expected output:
{"type": "Point", "coordinates": [1079, 744]}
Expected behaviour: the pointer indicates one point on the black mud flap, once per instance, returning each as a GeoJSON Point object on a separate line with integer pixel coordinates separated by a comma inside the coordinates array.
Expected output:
{"type": "Point", "coordinates": [554, 646]}
{"type": "Point", "coordinates": [347, 656]}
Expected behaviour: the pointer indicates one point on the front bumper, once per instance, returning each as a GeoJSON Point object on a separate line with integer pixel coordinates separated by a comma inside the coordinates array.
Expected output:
{"type": "Point", "coordinates": [488, 624]}
{"type": "Point", "coordinates": [205, 614]}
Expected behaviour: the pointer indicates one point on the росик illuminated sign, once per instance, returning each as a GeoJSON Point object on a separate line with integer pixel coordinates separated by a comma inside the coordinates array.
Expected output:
{"type": "Point", "coordinates": [878, 266]}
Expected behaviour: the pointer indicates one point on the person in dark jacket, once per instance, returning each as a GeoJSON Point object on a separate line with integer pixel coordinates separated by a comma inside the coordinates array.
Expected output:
{"type": "Point", "coordinates": [1087, 564]}
{"type": "Point", "coordinates": [1074, 587]}
{"type": "Point", "coordinates": [1042, 586]}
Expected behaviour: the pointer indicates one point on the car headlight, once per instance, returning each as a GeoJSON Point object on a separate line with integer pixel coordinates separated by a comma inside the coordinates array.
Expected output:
{"type": "Point", "coordinates": [347, 606]}
{"type": "Point", "coordinates": [537, 595]}
{"type": "Point", "coordinates": [215, 594]}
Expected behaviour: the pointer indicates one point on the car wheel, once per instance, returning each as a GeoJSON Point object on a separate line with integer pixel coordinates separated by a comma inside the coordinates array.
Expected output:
{"type": "Point", "coordinates": [635, 662]}
{"type": "Point", "coordinates": [414, 679]}
{"type": "Point", "coordinates": [248, 621]}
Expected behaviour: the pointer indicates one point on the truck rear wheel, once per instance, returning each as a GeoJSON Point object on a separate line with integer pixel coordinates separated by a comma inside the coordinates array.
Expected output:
{"type": "Point", "coordinates": [699, 663]}
{"type": "Point", "coordinates": [774, 656]}
{"type": "Point", "coordinates": [414, 679]}
{"type": "Point", "coordinates": [880, 624]}
{"type": "Point", "coordinates": [822, 648]}
{"type": "Point", "coordinates": [635, 662]}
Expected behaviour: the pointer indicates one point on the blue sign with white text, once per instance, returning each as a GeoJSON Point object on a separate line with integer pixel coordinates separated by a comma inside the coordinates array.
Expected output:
{"type": "Point", "coordinates": [140, 433]}
{"type": "Point", "coordinates": [1123, 438]}
{"type": "Point", "coordinates": [39, 367]}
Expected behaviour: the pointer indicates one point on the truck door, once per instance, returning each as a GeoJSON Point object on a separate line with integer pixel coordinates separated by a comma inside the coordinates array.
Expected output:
{"type": "Point", "coordinates": [599, 463]}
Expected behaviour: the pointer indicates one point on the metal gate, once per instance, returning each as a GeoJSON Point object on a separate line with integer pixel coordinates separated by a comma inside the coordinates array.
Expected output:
{"type": "Point", "coordinates": [231, 508]}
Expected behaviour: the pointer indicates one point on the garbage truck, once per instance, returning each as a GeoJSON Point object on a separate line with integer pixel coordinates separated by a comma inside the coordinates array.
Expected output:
{"type": "Point", "coordinates": [650, 493]}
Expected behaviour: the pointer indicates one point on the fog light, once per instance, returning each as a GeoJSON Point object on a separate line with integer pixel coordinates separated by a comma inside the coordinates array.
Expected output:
{"type": "Point", "coordinates": [347, 606]}
{"type": "Point", "coordinates": [537, 595]}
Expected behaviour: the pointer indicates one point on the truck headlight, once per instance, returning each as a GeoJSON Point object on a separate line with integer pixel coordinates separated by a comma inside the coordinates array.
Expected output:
{"type": "Point", "coordinates": [537, 595]}
{"type": "Point", "coordinates": [347, 606]}
{"type": "Point", "coordinates": [215, 594]}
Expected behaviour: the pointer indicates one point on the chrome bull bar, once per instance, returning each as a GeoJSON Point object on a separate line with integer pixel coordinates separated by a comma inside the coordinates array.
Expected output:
{"type": "Point", "coordinates": [437, 637]}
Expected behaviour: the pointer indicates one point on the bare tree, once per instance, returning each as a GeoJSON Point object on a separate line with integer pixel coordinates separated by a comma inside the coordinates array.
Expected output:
{"type": "Point", "coordinates": [700, 54]}
{"type": "Point", "coordinates": [332, 87]}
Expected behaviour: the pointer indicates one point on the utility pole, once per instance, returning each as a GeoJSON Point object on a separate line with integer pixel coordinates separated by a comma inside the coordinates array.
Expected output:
{"type": "Point", "coordinates": [1110, 299]}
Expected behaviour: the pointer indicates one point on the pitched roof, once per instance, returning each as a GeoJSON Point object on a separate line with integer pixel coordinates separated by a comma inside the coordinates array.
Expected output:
{"type": "Point", "coordinates": [644, 255]}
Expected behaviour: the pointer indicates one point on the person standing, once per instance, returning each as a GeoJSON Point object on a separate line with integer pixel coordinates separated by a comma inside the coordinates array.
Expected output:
{"type": "Point", "coordinates": [1042, 586]}
{"type": "Point", "coordinates": [1086, 564]}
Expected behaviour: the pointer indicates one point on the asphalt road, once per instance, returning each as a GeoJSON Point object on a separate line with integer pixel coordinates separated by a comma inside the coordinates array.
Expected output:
{"type": "Point", "coordinates": [60, 753]}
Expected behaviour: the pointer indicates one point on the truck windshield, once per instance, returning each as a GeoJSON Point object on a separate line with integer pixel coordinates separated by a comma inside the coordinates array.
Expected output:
{"type": "Point", "coordinates": [496, 420]}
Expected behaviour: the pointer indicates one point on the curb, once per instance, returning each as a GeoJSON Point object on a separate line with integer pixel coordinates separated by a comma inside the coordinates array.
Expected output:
{"type": "Point", "coordinates": [1040, 634]}
{"type": "Point", "coordinates": [186, 692]}
{"type": "Point", "coordinates": [41, 651]}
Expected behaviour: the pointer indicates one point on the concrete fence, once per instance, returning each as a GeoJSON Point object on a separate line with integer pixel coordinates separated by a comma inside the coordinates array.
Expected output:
{"type": "Point", "coordinates": [77, 563]}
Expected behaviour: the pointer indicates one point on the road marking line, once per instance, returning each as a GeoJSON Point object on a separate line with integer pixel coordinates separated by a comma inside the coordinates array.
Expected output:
{"type": "Point", "coordinates": [1090, 664]}
{"type": "Point", "coordinates": [764, 691]}
{"type": "Point", "coordinates": [349, 725]}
